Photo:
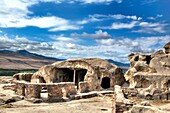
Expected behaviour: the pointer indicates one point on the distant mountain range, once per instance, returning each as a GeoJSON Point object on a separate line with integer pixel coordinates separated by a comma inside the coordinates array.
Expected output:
{"type": "Point", "coordinates": [124, 66]}
{"type": "Point", "coordinates": [23, 59]}
{"type": "Point", "coordinates": [119, 63]}
{"type": "Point", "coordinates": [33, 55]}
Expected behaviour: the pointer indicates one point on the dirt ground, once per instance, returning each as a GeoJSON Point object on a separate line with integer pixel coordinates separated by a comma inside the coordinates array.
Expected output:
{"type": "Point", "coordinates": [91, 105]}
{"type": "Point", "coordinates": [100, 104]}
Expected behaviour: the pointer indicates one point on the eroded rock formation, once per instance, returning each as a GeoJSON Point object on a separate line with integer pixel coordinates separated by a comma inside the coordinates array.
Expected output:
{"type": "Point", "coordinates": [150, 69]}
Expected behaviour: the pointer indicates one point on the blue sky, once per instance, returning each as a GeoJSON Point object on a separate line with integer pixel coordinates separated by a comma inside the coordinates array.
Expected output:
{"type": "Point", "coordinates": [108, 29]}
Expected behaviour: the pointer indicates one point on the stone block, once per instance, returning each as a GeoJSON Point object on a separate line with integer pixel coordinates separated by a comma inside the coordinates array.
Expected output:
{"type": "Point", "coordinates": [58, 90]}
{"type": "Point", "coordinates": [20, 89]}
{"type": "Point", "coordinates": [33, 90]}
{"type": "Point", "coordinates": [83, 87]}
{"type": "Point", "coordinates": [156, 97]}
{"type": "Point", "coordinates": [54, 91]}
{"type": "Point", "coordinates": [164, 97]}
{"type": "Point", "coordinates": [70, 88]}
{"type": "Point", "coordinates": [168, 96]}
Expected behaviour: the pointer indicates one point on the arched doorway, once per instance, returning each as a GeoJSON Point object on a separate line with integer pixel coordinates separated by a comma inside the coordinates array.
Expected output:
{"type": "Point", "coordinates": [105, 83]}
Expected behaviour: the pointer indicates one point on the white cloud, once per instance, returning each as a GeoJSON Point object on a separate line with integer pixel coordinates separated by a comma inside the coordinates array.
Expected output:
{"type": "Point", "coordinates": [42, 22]}
{"type": "Point", "coordinates": [151, 18]}
{"type": "Point", "coordinates": [142, 27]}
{"type": "Point", "coordinates": [123, 25]}
{"type": "Point", "coordinates": [148, 1]}
{"type": "Point", "coordinates": [154, 18]}
{"type": "Point", "coordinates": [71, 45]}
{"type": "Point", "coordinates": [146, 24]}
{"type": "Point", "coordinates": [120, 16]}
{"type": "Point", "coordinates": [120, 25]}
{"type": "Point", "coordinates": [97, 35]}
{"type": "Point", "coordinates": [116, 16]}
{"type": "Point", "coordinates": [65, 27]}
{"type": "Point", "coordinates": [101, 1]}
{"type": "Point", "coordinates": [139, 18]}
{"type": "Point", "coordinates": [141, 44]}
{"type": "Point", "coordinates": [15, 14]}
{"type": "Point", "coordinates": [151, 28]}
{"type": "Point", "coordinates": [102, 17]}
{"type": "Point", "coordinates": [19, 43]}
{"type": "Point", "coordinates": [159, 15]}
{"type": "Point", "coordinates": [63, 38]}
{"type": "Point", "coordinates": [90, 19]}
{"type": "Point", "coordinates": [108, 42]}
{"type": "Point", "coordinates": [114, 48]}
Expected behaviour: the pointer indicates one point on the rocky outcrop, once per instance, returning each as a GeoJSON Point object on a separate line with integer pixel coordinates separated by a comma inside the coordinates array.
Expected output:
{"type": "Point", "coordinates": [167, 48]}
{"type": "Point", "coordinates": [157, 64]}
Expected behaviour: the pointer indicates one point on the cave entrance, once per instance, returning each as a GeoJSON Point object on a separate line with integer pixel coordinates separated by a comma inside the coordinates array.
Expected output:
{"type": "Point", "coordinates": [79, 76]}
{"type": "Point", "coordinates": [168, 84]}
{"type": "Point", "coordinates": [41, 80]}
{"type": "Point", "coordinates": [64, 75]}
{"type": "Point", "coordinates": [148, 59]}
{"type": "Point", "coordinates": [105, 84]}
{"type": "Point", "coordinates": [71, 75]}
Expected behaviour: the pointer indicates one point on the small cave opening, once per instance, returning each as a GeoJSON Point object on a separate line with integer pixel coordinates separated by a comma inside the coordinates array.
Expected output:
{"type": "Point", "coordinates": [136, 58]}
{"type": "Point", "coordinates": [105, 84]}
{"type": "Point", "coordinates": [17, 77]}
{"type": "Point", "coordinates": [148, 59]}
{"type": "Point", "coordinates": [41, 80]}
{"type": "Point", "coordinates": [168, 84]}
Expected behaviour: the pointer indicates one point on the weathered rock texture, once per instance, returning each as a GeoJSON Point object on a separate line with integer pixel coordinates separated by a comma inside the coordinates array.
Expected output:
{"type": "Point", "coordinates": [121, 104]}
{"type": "Point", "coordinates": [23, 76]}
{"type": "Point", "coordinates": [124, 101]}
{"type": "Point", "coordinates": [54, 90]}
{"type": "Point", "coordinates": [145, 109]}
{"type": "Point", "coordinates": [95, 73]}
{"type": "Point", "coordinates": [152, 69]}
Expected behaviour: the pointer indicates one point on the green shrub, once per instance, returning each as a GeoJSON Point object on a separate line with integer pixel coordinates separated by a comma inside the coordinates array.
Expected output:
{"type": "Point", "coordinates": [11, 72]}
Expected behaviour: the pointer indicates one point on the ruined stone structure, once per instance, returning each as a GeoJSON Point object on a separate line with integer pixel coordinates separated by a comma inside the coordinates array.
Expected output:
{"type": "Point", "coordinates": [87, 74]}
{"type": "Point", "coordinates": [23, 76]}
{"type": "Point", "coordinates": [67, 78]}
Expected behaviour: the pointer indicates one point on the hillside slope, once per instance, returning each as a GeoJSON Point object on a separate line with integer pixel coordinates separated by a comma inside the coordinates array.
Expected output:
{"type": "Point", "coordinates": [23, 60]}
